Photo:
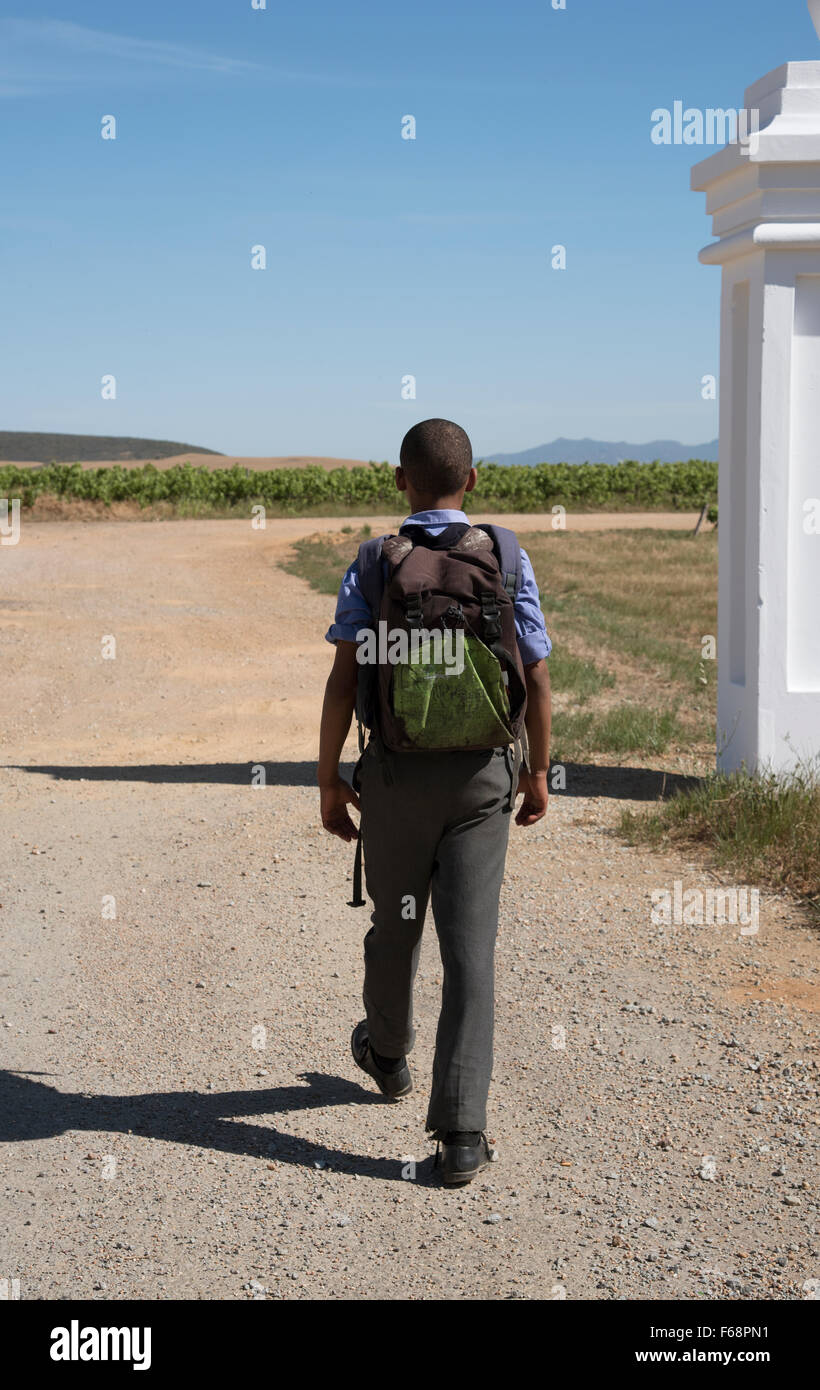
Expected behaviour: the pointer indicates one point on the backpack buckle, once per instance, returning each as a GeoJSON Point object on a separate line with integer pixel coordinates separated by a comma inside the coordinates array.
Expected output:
{"type": "Point", "coordinates": [490, 617]}
{"type": "Point", "coordinates": [412, 611]}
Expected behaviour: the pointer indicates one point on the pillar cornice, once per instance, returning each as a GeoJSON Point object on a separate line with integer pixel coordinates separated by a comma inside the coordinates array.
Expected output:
{"type": "Point", "coordinates": [766, 236]}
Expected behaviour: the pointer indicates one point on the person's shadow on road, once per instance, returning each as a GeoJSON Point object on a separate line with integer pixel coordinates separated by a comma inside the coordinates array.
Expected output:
{"type": "Point", "coordinates": [31, 1109]}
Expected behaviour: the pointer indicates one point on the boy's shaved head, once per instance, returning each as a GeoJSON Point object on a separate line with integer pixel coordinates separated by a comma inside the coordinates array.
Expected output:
{"type": "Point", "coordinates": [436, 456]}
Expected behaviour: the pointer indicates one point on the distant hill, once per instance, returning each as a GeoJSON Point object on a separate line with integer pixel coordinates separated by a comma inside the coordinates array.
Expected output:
{"type": "Point", "coordinates": [603, 451]}
{"type": "Point", "coordinates": [22, 446]}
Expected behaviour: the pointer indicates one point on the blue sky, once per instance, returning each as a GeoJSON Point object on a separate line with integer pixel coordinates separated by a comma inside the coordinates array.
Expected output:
{"type": "Point", "coordinates": [385, 257]}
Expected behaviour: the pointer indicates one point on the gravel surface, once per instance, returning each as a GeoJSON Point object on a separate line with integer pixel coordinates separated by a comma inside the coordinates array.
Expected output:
{"type": "Point", "coordinates": [183, 1117]}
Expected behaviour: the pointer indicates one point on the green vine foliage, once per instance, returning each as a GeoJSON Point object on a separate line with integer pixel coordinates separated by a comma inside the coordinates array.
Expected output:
{"type": "Point", "coordinates": [673, 486]}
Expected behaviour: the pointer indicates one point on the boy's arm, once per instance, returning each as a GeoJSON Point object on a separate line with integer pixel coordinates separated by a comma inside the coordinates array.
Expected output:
{"type": "Point", "coordinates": [337, 712]}
{"type": "Point", "coordinates": [533, 783]}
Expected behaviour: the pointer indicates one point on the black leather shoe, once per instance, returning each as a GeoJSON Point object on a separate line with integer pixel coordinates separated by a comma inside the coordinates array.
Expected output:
{"type": "Point", "coordinates": [461, 1156]}
{"type": "Point", "coordinates": [392, 1084]}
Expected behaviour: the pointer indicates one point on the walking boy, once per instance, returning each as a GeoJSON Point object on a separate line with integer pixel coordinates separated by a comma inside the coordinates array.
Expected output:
{"type": "Point", "coordinates": [438, 779]}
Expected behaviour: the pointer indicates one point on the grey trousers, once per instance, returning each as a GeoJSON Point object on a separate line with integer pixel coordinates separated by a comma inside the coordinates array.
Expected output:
{"type": "Point", "coordinates": [436, 825]}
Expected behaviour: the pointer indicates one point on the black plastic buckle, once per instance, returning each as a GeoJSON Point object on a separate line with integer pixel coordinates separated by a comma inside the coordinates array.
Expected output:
{"type": "Point", "coordinates": [413, 612]}
{"type": "Point", "coordinates": [490, 617]}
{"type": "Point", "coordinates": [454, 616]}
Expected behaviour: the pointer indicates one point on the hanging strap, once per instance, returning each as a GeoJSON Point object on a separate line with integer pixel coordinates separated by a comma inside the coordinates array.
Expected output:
{"type": "Point", "coordinates": [357, 900]}
{"type": "Point", "coordinates": [524, 745]}
{"type": "Point", "coordinates": [356, 783]}
{"type": "Point", "coordinates": [378, 751]}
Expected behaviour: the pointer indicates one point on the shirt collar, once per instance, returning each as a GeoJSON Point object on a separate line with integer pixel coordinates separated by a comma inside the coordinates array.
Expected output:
{"type": "Point", "coordinates": [443, 516]}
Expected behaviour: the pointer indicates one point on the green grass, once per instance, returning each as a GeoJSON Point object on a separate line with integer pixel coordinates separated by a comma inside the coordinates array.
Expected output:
{"type": "Point", "coordinates": [626, 728]}
{"type": "Point", "coordinates": [322, 560]}
{"type": "Point", "coordinates": [765, 829]}
{"type": "Point", "coordinates": [575, 674]}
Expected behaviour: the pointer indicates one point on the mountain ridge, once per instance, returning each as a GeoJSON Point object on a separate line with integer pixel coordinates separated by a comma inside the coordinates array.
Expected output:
{"type": "Point", "coordinates": [27, 446]}
{"type": "Point", "coordinates": [607, 451]}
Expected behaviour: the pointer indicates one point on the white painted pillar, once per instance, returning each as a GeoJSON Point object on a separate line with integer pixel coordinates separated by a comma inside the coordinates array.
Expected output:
{"type": "Point", "coordinates": [765, 204]}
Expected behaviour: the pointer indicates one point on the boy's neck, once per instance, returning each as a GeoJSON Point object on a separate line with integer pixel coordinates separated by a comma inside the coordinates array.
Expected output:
{"type": "Point", "coordinates": [437, 504]}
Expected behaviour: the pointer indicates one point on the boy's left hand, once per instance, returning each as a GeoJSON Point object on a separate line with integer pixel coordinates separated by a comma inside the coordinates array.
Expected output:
{"type": "Point", "coordinates": [335, 798]}
{"type": "Point", "coordinates": [536, 797]}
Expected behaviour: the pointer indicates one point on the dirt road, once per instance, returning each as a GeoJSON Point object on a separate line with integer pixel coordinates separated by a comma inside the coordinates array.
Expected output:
{"type": "Point", "coordinates": [181, 1117]}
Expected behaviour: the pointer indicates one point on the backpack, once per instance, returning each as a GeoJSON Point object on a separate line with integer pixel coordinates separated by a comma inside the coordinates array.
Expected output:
{"type": "Point", "coordinates": [445, 604]}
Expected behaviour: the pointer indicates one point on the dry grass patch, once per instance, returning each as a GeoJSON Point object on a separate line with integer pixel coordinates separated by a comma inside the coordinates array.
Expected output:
{"type": "Point", "coordinates": [323, 559]}
{"type": "Point", "coordinates": [764, 829]}
{"type": "Point", "coordinates": [635, 605]}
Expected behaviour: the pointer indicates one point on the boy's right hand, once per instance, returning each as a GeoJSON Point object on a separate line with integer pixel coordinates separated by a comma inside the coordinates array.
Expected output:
{"type": "Point", "coordinates": [335, 797]}
{"type": "Point", "coordinates": [536, 797]}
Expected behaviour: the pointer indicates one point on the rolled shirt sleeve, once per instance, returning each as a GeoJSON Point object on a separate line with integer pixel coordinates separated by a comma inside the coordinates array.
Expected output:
{"type": "Point", "coordinates": [531, 630]}
{"type": "Point", "coordinates": [352, 611]}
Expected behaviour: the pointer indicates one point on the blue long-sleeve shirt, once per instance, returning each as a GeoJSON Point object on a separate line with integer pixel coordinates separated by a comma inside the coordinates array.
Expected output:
{"type": "Point", "coordinates": [353, 613]}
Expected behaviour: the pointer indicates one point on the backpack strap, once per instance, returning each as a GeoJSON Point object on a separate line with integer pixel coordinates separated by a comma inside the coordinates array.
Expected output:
{"type": "Point", "coordinates": [370, 574]}
{"type": "Point", "coordinates": [358, 899]}
{"type": "Point", "coordinates": [508, 554]}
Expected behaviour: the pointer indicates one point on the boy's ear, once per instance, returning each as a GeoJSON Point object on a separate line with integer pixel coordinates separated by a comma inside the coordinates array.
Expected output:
{"type": "Point", "coordinates": [401, 481]}
{"type": "Point", "coordinates": [471, 481]}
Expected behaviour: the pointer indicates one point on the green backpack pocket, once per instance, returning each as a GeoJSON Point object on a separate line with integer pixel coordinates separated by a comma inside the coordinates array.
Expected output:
{"type": "Point", "coordinates": [442, 709]}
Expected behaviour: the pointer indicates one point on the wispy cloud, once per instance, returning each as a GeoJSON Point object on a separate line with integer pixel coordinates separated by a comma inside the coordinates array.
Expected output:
{"type": "Point", "coordinates": [38, 56]}
{"type": "Point", "coordinates": [41, 55]}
